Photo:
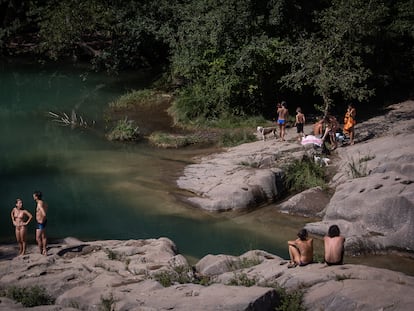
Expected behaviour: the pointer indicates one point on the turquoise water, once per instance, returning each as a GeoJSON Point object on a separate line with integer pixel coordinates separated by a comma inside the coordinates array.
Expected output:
{"type": "Point", "coordinates": [98, 189]}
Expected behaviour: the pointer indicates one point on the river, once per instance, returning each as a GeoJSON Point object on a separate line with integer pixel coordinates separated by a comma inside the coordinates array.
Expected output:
{"type": "Point", "coordinates": [98, 189]}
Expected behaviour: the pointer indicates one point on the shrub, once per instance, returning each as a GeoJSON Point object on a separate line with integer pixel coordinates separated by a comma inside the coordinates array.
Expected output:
{"type": "Point", "coordinates": [304, 174]}
{"type": "Point", "coordinates": [29, 296]}
{"type": "Point", "coordinates": [140, 97]}
{"type": "Point", "coordinates": [290, 301]}
{"type": "Point", "coordinates": [242, 279]}
{"type": "Point", "coordinates": [124, 130]}
{"type": "Point", "coordinates": [358, 168]}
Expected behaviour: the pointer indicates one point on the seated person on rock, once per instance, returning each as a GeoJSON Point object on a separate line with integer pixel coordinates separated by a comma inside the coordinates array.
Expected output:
{"type": "Point", "coordinates": [334, 246]}
{"type": "Point", "coordinates": [301, 250]}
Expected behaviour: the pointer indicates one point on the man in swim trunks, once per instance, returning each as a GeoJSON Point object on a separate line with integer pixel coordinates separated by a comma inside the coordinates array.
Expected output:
{"type": "Point", "coordinates": [41, 210]}
{"type": "Point", "coordinates": [282, 114]}
{"type": "Point", "coordinates": [334, 246]}
{"type": "Point", "coordinates": [301, 250]}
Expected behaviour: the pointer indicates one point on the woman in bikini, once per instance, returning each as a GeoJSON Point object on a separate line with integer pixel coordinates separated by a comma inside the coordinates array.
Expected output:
{"type": "Point", "coordinates": [20, 218]}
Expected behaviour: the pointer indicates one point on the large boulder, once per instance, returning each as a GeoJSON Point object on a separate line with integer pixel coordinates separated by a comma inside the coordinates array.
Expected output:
{"type": "Point", "coordinates": [243, 177]}
{"type": "Point", "coordinates": [374, 197]}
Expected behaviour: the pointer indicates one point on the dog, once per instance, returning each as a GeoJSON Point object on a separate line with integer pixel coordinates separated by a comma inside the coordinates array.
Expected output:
{"type": "Point", "coordinates": [321, 161]}
{"type": "Point", "coordinates": [266, 130]}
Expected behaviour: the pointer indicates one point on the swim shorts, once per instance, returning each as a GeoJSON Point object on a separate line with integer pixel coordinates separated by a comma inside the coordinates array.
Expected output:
{"type": "Point", "coordinates": [41, 226]}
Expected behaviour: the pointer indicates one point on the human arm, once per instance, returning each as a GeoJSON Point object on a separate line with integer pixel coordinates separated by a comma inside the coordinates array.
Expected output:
{"type": "Point", "coordinates": [29, 217]}
{"type": "Point", "coordinates": [12, 217]}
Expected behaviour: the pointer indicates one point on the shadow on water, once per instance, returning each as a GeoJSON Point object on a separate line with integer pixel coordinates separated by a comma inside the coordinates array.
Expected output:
{"type": "Point", "coordinates": [103, 190]}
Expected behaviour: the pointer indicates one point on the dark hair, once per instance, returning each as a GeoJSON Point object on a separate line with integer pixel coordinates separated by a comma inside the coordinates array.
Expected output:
{"type": "Point", "coordinates": [38, 194]}
{"type": "Point", "coordinates": [303, 234]}
{"type": "Point", "coordinates": [333, 231]}
{"type": "Point", "coordinates": [284, 104]}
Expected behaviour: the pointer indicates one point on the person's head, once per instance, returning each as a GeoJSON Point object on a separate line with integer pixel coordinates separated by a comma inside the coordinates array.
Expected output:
{"type": "Point", "coordinates": [351, 105]}
{"type": "Point", "coordinates": [283, 104]}
{"type": "Point", "coordinates": [19, 203]}
{"type": "Point", "coordinates": [298, 110]}
{"type": "Point", "coordinates": [37, 195]}
{"type": "Point", "coordinates": [303, 234]}
{"type": "Point", "coordinates": [333, 231]}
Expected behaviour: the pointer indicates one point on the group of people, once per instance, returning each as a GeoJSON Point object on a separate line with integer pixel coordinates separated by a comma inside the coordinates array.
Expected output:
{"type": "Point", "coordinates": [330, 122]}
{"type": "Point", "coordinates": [332, 126]}
{"type": "Point", "coordinates": [301, 249]}
{"type": "Point", "coordinates": [21, 218]}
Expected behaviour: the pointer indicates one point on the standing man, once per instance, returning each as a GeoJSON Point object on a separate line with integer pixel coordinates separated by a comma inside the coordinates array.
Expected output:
{"type": "Point", "coordinates": [282, 114]}
{"type": "Point", "coordinates": [300, 123]}
{"type": "Point", "coordinates": [334, 246]}
{"type": "Point", "coordinates": [41, 210]}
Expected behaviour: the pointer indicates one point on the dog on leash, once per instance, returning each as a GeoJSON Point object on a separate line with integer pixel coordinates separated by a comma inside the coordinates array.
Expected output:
{"type": "Point", "coordinates": [263, 131]}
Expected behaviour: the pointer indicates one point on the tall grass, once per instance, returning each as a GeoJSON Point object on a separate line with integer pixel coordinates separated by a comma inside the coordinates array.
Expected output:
{"type": "Point", "coordinates": [304, 174]}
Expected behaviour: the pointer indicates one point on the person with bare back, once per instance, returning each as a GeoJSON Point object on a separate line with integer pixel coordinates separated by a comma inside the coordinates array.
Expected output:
{"type": "Point", "coordinates": [282, 114]}
{"type": "Point", "coordinates": [334, 246]}
{"type": "Point", "coordinates": [20, 218]}
{"type": "Point", "coordinates": [301, 250]}
{"type": "Point", "coordinates": [41, 211]}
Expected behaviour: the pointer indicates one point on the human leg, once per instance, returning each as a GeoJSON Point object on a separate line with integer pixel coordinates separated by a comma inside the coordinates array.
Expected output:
{"type": "Point", "coordinates": [294, 256]}
{"type": "Point", "coordinates": [39, 239]}
{"type": "Point", "coordinates": [44, 242]}
{"type": "Point", "coordinates": [19, 239]}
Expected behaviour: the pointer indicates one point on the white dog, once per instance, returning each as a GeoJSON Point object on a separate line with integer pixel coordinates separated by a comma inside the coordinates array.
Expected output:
{"type": "Point", "coordinates": [321, 161]}
{"type": "Point", "coordinates": [266, 130]}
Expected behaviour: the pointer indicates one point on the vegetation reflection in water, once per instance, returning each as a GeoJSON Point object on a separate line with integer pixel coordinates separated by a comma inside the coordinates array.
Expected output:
{"type": "Point", "coordinates": [102, 190]}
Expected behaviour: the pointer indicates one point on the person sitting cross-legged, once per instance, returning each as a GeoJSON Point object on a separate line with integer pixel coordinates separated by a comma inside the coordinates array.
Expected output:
{"type": "Point", "coordinates": [301, 250]}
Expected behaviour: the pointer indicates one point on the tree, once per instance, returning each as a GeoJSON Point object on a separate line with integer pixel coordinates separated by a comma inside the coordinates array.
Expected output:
{"type": "Point", "coordinates": [331, 60]}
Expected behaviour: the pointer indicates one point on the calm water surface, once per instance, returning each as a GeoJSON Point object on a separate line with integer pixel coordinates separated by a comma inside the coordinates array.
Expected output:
{"type": "Point", "coordinates": [98, 189]}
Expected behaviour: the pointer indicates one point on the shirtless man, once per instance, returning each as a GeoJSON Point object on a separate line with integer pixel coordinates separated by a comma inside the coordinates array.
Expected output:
{"type": "Point", "coordinates": [334, 246]}
{"type": "Point", "coordinates": [41, 210]}
{"type": "Point", "coordinates": [282, 114]}
{"type": "Point", "coordinates": [301, 250]}
{"type": "Point", "coordinates": [20, 218]}
{"type": "Point", "coordinates": [299, 123]}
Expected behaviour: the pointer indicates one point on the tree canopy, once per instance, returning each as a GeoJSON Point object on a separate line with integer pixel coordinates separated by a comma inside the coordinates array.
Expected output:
{"type": "Point", "coordinates": [230, 57]}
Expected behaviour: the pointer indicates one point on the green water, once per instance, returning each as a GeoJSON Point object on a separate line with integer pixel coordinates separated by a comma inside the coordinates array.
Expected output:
{"type": "Point", "coordinates": [98, 189]}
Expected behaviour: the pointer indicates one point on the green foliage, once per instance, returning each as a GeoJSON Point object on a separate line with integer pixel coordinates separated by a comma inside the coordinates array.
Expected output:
{"type": "Point", "coordinates": [331, 61]}
{"type": "Point", "coordinates": [124, 130]}
{"type": "Point", "coordinates": [144, 97]}
{"type": "Point", "coordinates": [181, 274]}
{"type": "Point", "coordinates": [29, 296]}
{"type": "Point", "coordinates": [228, 59]}
{"type": "Point", "coordinates": [242, 279]}
{"type": "Point", "coordinates": [165, 140]}
{"type": "Point", "coordinates": [290, 301]}
{"type": "Point", "coordinates": [304, 174]}
{"type": "Point", "coordinates": [358, 168]}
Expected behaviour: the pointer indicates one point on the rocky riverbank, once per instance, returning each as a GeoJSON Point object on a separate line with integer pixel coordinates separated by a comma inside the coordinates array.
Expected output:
{"type": "Point", "coordinates": [373, 199]}
{"type": "Point", "coordinates": [149, 275]}
{"type": "Point", "coordinates": [375, 212]}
